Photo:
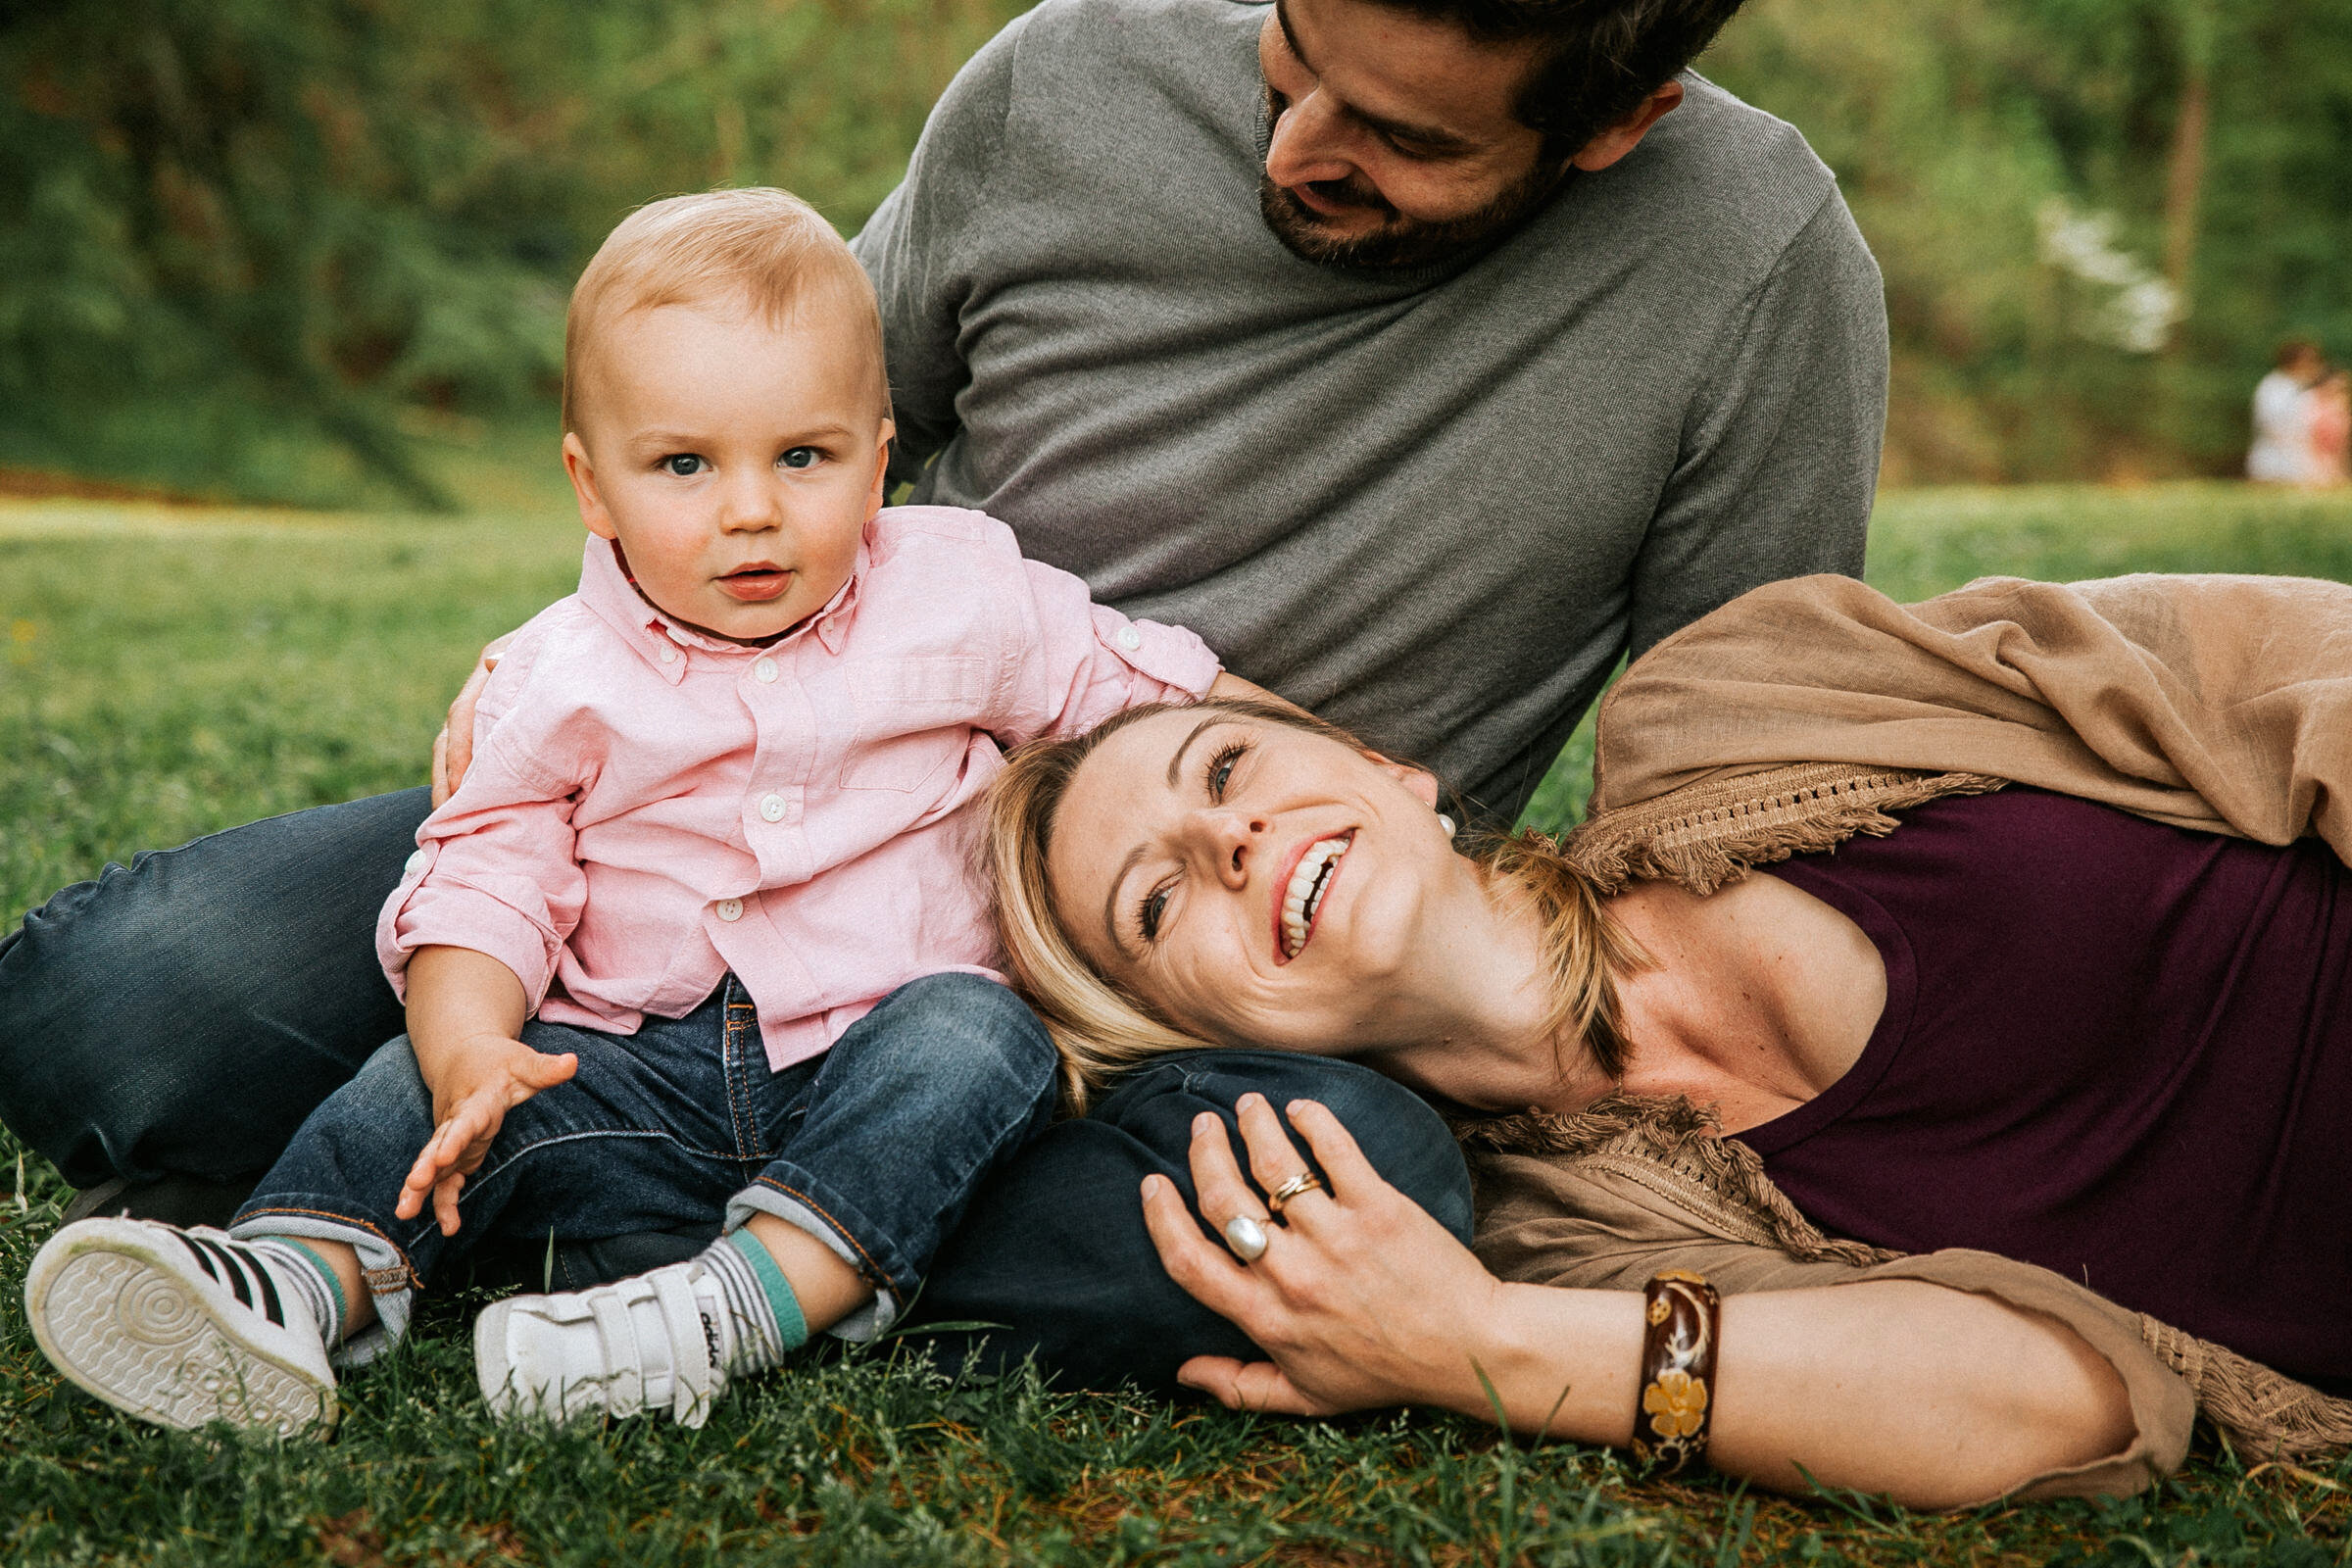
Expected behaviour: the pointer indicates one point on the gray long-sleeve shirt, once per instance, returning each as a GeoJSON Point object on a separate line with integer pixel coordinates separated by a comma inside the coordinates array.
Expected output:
{"type": "Point", "coordinates": [1436, 506]}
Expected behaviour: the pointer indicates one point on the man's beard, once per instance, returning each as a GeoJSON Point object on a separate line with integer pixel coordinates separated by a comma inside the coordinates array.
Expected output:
{"type": "Point", "coordinates": [1400, 242]}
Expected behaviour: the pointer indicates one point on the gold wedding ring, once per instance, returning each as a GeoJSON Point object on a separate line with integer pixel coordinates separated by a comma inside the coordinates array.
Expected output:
{"type": "Point", "coordinates": [1306, 1181]}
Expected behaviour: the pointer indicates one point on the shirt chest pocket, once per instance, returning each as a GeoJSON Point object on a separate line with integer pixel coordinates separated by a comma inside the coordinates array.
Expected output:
{"type": "Point", "coordinates": [912, 718]}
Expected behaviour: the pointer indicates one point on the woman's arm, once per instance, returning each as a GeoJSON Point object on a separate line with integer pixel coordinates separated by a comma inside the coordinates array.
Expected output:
{"type": "Point", "coordinates": [1934, 1395]}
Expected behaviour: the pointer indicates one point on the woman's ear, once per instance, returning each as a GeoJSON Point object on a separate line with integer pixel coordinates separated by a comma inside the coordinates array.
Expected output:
{"type": "Point", "coordinates": [1420, 781]}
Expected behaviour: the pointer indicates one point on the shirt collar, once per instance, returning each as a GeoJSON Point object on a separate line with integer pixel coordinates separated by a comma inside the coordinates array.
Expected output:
{"type": "Point", "coordinates": [605, 589]}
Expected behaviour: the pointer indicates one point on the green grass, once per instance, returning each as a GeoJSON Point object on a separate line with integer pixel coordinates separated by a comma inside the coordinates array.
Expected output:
{"type": "Point", "coordinates": [166, 673]}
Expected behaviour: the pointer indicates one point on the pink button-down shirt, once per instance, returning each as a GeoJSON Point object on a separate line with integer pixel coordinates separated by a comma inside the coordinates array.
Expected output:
{"type": "Point", "coordinates": [649, 809]}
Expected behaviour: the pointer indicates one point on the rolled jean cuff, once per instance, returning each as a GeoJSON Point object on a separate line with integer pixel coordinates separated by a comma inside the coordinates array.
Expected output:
{"type": "Point", "coordinates": [789, 1196]}
{"type": "Point", "coordinates": [378, 1256]}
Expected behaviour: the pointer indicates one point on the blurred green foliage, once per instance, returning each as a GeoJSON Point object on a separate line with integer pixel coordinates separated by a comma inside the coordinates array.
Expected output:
{"type": "Point", "coordinates": [256, 247]}
{"type": "Point", "coordinates": [2214, 136]}
{"type": "Point", "coordinates": [250, 245]}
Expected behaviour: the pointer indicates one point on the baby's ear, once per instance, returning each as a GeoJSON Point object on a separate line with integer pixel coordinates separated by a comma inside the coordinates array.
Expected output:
{"type": "Point", "coordinates": [1419, 780]}
{"type": "Point", "coordinates": [582, 473]}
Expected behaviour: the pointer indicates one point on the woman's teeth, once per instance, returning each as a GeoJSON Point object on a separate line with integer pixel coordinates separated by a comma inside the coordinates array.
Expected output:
{"type": "Point", "coordinates": [1304, 895]}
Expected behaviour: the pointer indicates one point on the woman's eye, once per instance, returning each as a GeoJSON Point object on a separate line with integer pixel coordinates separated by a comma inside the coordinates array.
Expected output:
{"type": "Point", "coordinates": [1155, 904]}
{"type": "Point", "coordinates": [798, 457]}
{"type": "Point", "coordinates": [685, 464]}
{"type": "Point", "coordinates": [1221, 765]}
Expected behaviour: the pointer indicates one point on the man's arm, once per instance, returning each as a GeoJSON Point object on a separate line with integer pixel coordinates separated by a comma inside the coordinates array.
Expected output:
{"type": "Point", "coordinates": [1780, 457]}
{"type": "Point", "coordinates": [914, 250]}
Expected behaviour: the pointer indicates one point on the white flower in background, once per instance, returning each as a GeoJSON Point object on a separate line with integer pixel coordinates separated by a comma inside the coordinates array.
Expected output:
{"type": "Point", "coordinates": [2140, 316]}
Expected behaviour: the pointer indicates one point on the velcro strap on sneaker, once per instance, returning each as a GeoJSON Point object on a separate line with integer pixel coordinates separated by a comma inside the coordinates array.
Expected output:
{"type": "Point", "coordinates": [620, 1350]}
{"type": "Point", "coordinates": [694, 1381]}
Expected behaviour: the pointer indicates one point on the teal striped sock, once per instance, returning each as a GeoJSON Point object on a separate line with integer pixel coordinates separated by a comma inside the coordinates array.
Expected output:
{"type": "Point", "coordinates": [765, 1315]}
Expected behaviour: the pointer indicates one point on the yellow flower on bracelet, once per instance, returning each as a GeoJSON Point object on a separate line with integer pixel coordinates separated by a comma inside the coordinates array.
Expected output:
{"type": "Point", "coordinates": [1676, 1405]}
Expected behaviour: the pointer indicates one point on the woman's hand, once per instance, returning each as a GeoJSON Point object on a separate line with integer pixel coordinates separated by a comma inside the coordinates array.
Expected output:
{"type": "Point", "coordinates": [485, 1079]}
{"type": "Point", "coordinates": [1362, 1298]}
{"type": "Point", "coordinates": [453, 748]}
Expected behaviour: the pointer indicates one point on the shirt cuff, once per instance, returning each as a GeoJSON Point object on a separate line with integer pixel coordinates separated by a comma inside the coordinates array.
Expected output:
{"type": "Point", "coordinates": [452, 914]}
{"type": "Point", "coordinates": [1169, 655]}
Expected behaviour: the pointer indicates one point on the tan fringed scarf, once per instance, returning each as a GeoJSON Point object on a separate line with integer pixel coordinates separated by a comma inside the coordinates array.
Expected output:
{"type": "Point", "coordinates": [1807, 712]}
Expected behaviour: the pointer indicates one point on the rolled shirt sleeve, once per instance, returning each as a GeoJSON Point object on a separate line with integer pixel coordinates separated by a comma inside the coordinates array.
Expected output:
{"type": "Point", "coordinates": [495, 870]}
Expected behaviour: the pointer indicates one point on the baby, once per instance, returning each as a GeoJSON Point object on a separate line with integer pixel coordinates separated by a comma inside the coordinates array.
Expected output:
{"type": "Point", "coordinates": [716, 844]}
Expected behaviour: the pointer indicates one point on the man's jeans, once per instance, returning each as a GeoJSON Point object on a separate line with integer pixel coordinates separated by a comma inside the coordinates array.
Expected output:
{"type": "Point", "coordinates": [873, 1148]}
{"type": "Point", "coordinates": [185, 1014]}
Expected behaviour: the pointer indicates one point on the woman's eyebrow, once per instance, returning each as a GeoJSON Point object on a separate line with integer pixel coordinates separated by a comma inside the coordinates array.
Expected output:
{"type": "Point", "coordinates": [1176, 762]}
{"type": "Point", "coordinates": [1110, 900]}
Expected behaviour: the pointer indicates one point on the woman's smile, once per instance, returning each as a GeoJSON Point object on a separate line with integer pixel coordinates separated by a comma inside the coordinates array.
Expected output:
{"type": "Point", "coordinates": [1298, 897]}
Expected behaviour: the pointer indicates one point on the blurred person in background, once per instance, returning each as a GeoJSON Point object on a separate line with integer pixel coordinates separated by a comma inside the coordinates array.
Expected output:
{"type": "Point", "coordinates": [2331, 457]}
{"type": "Point", "coordinates": [2281, 453]}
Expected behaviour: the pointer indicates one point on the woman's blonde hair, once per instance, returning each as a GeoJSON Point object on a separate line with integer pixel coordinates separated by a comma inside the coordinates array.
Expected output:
{"type": "Point", "coordinates": [1100, 1029]}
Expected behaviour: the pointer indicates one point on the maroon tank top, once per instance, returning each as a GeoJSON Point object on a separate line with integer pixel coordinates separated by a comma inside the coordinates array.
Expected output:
{"type": "Point", "coordinates": [2117, 1050]}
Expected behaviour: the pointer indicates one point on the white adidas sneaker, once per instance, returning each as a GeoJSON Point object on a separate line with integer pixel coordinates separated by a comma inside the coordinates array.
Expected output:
{"type": "Point", "coordinates": [178, 1327]}
{"type": "Point", "coordinates": [649, 1342]}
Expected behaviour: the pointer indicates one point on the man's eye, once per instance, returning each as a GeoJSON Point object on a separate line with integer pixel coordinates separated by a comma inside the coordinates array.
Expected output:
{"type": "Point", "coordinates": [1221, 765]}
{"type": "Point", "coordinates": [1155, 904]}
{"type": "Point", "coordinates": [685, 464]}
{"type": "Point", "coordinates": [800, 457]}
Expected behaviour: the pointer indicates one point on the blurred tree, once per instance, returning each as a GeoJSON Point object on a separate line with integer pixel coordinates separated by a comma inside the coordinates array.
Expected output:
{"type": "Point", "coordinates": [232, 231]}
{"type": "Point", "coordinates": [2207, 145]}
{"type": "Point", "coordinates": [235, 235]}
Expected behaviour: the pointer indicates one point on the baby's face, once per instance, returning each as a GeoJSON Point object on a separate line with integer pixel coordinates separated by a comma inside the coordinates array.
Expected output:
{"type": "Point", "coordinates": [736, 459]}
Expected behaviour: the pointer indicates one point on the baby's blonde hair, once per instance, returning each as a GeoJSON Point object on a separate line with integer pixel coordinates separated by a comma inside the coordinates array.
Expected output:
{"type": "Point", "coordinates": [763, 247]}
{"type": "Point", "coordinates": [1100, 1029]}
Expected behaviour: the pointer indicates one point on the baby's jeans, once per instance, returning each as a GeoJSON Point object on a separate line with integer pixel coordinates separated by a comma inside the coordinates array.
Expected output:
{"type": "Point", "coordinates": [873, 1148]}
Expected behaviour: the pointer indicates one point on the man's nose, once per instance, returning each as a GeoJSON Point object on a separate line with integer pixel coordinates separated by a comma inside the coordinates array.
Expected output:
{"type": "Point", "coordinates": [1230, 841]}
{"type": "Point", "coordinates": [1309, 143]}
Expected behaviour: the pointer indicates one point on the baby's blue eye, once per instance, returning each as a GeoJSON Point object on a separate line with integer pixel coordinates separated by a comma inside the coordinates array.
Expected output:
{"type": "Point", "coordinates": [685, 464]}
{"type": "Point", "coordinates": [798, 457]}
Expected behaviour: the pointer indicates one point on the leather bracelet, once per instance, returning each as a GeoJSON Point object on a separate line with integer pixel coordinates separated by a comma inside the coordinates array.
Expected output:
{"type": "Point", "coordinates": [1676, 1407]}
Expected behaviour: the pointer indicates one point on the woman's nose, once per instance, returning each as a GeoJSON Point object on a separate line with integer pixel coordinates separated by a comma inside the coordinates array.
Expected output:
{"type": "Point", "coordinates": [1229, 841]}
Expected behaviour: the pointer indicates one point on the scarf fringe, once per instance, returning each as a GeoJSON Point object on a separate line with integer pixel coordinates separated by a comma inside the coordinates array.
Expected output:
{"type": "Point", "coordinates": [1707, 834]}
{"type": "Point", "coordinates": [1670, 1131]}
{"type": "Point", "coordinates": [2265, 1413]}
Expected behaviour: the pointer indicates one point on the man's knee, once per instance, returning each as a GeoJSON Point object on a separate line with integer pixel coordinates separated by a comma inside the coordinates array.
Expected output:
{"type": "Point", "coordinates": [184, 1013]}
{"type": "Point", "coordinates": [1401, 1135]}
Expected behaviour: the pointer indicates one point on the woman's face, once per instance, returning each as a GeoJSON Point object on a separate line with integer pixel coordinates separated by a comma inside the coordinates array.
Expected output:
{"type": "Point", "coordinates": [1259, 884]}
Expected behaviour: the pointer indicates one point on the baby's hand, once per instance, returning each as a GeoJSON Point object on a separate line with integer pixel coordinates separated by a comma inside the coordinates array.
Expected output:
{"type": "Point", "coordinates": [489, 1078]}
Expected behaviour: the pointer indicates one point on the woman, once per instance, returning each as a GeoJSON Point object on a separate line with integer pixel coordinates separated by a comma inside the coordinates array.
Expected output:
{"type": "Point", "coordinates": [2100, 1025]}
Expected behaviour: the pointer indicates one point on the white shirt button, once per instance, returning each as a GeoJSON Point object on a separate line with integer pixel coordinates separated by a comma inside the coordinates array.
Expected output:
{"type": "Point", "coordinates": [416, 862]}
{"type": "Point", "coordinates": [668, 654]}
{"type": "Point", "coordinates": [730, 910]}
{"type": "Point", "coordinates": [771, 807]}
{"type": "Point", "coordinates": [1130, 639]}
{"type": "Point", "coordinates": [765, 669]}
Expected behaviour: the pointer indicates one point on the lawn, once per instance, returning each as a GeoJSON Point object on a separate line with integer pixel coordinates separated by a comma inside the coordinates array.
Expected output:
{"type": "Point", "coordinates": [165, 673]}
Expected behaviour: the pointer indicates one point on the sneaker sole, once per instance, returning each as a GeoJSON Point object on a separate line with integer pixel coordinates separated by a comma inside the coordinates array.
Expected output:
{"type": "Point", "coordinates": [132, 1332]}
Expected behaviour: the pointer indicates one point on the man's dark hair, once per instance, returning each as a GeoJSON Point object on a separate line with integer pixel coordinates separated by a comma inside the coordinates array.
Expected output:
{"type": "Point", "coordinates": [1597, 59]}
